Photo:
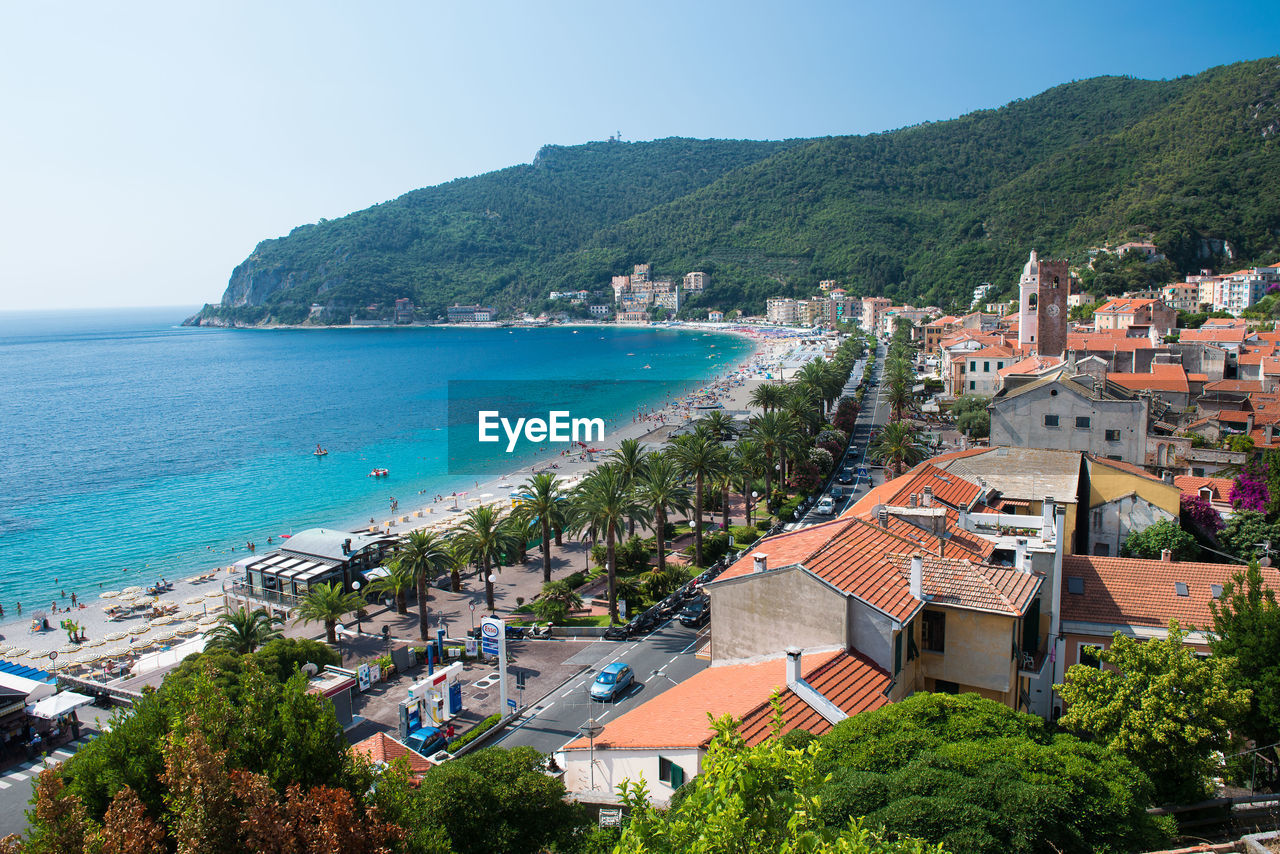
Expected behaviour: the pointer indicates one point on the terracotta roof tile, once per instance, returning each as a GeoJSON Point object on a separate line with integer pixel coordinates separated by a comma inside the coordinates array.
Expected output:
{"type": "Point", "coordinates": [1233, 386]}
{"type": "Point", "coordinates": [381, 747]}
{"type": "Point", "coordinates": [963, 584]}
{"type": "Point", "coordinates": [1160, 378]}
{"type": "Point", "coordinates": [1098, 342]}
{"type": "Point", "coordinates": [1213, 334]}
{"type": "Point", "coordinates": [678, 716]}
{"type": "Point", "coordinates": [1191, 486]}
{"type": "Point", "coordinates": [1129, 592]}
{"type": "Point", "coordinates": [1127, 467]}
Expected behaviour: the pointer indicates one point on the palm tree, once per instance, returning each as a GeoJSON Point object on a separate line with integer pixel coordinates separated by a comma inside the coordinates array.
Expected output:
{"type": "Point", "coordinates": [774, 433]}
{"type": "Point", "coordinates": [897, 447]}
{"type": "Point", "coordinates": [396, 583]}
{"type": "Point", "coordinates": [556, 601]}
{"type": "Point", "coordinates": [703, 459]}
{"type": "Point", "coordinates": [327, 603]}
{"type": "Point", "coordinates": [746, 462]}
{"type": "Point", "coordinates": [485, 537]}
{"type": "Point", "coordinates": [542, 503]}
{"type": "Point", "coordinates": [602, 503]}
{"type": "Point", "coordinates": [719, 424]}
{"type": "Point", "coordinates": [454, 559]}
{"type": "Point", "coordinates": [423, 554]}
{"type": "Point", "coordinates": [767, 396]}
{"type": "Point", "coordinates": [242, 631]}
{"type": "Point", "coordinates": [813, 378]}
{"type": "Point", "coordinates": [661, 488]}
{"type": "Point", "coordinates": [802, 404]}
{"type": "Point", "coordinates": [630, 459]}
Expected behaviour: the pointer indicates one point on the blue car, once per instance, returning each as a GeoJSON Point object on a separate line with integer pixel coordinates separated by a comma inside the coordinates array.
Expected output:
{"type": "Point", "coordinates": [612, 681]}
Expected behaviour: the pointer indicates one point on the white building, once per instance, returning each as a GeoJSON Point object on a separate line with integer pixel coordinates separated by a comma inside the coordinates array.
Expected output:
{"type": "Point", "coordinates": [695, 281]}
{"type": "Point", "coordinates": [782, 310]}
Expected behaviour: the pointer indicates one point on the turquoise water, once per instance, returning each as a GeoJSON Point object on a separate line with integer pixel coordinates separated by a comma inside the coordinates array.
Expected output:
{"type": "Point", "coordinates": [132, 448]}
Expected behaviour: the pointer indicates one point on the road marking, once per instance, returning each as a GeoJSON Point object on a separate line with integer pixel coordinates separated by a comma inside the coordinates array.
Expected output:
{"type": "Point", "coordinates": [17, 776]}
{"type": "Point", "coordinates": [4, 785]}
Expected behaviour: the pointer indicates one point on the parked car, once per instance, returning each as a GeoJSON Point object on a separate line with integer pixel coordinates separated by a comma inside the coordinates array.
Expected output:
{"type": "Point", "coordinates": [696, 614]}
{"type": "Point", "coordinates": [826, 506]}
{"type": "Point", "coordinates": [612, 681]}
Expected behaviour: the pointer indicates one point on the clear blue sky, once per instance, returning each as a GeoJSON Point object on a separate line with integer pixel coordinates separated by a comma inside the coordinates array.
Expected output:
{"type": "Point", "coordinates": [147, 147]}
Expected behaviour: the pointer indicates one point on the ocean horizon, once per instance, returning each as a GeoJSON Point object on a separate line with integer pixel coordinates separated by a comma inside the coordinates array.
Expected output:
{"type": "Point", "coordinates": [135, 448]}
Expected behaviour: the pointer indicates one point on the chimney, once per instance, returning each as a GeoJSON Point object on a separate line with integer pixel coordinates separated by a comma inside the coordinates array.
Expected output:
{"type": "Point", "coordinates": [1020, 561]}
{"type": "Point", "coordinates": [884, 517]}
{"type": "Point", "coordinates": [911, 500]}
{"type": "Point", "coordinates": [926, 497]}
{"type": "Point", "coordinates": [793, 665]}
{"type": "Point", "coordinates": [1166, 556]}
{"type": "Point", "coordinates": [346, 546]}
{"type": "Point", "coordinates": [964, 443]}
{"type": "Point", "coordinates": [917, 576]}
{"type": "Point", "coordinates": [1166, 476]}
{"type": "Point", "coordinates": [761, 561]}
{"type": "Point", "coordinates": [1047, 513]}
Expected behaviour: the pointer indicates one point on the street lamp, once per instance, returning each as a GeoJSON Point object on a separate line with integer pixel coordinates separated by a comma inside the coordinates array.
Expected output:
{"type": "Point", "coordinates": [355, 585]}
{"type": "Point", "coordinates": [592, 729]}
{"type": "Point", "coordinates": [755, 497]}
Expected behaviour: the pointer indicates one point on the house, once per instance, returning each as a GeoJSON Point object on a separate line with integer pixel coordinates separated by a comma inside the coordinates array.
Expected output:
{"type": "Point", "coordinates": [696, 281]}
{"type": "Point", "coordinates": [1064, 412]}
{"type": "Point", "coordinates": [715, 316]}
{"type": "Point", "coordinates": [600, 310]}
{"type": "Point", "coordinates": [1166, 381]}
{"type": "Point", "coordinates": [1121, 499]}
{"type": "Point", "coordinates": [403, 312]}
{"type": "Point", "coordinates": [665, 740]}
{"type": "Point", "coordinates": [1215, 490]}
{"type": "Point", "coordinates": [1122, 313]}
{"type": "Point", "coordinates": [873, 309]}
{"type": "Point", "coordinates": [983, 374]}
{"type": "Point", "coordinates": [381, 749]}
{"type": "Point", "coordinates": [1138, 598]}
{"type": "Point", "coordinates": [470, 314]}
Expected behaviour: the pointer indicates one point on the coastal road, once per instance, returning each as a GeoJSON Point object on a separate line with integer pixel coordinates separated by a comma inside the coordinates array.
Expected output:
{"type": "Point", "coordinates": [553, 721]}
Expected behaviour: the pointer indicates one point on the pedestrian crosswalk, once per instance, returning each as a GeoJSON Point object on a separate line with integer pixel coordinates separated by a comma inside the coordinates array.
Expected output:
{"type": "Point", "coordinates": [27, 770]}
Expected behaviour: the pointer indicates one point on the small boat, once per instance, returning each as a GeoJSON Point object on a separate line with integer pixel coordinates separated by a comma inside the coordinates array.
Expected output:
{"type": "Point", "coordinates": [319, 451]}
{"type": "Point", "coordinates": [379, 473]}
{"type": "Point", "coordinates": [646, 367]}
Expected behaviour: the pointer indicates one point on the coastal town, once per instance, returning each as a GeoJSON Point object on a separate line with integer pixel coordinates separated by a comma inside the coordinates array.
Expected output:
{"type": "Point", "coordinates": [881, 508]}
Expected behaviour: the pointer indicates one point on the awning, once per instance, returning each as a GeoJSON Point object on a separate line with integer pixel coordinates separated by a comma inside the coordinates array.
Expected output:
{"type": "Point", "coordinates": [59, 704]}
{"type": "Point", "coordinates": [377, 572]}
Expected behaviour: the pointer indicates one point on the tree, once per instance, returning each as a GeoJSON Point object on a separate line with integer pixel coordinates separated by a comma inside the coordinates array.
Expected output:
{"type": "Point", "coordinates": [767, 396]}
{"type": "Point", "coordinates": [1246, 629]}
{"type": "Point", "coordinates": [762, 798]}
{"type": "Point", "coordinates": [661, 488]}
{"type": "Point", "coordinates": [1150, 542]}
{"type": "Point", "coordinates": [897, 447]}
{"type": "Point", "coordinates": [1246, 532]}
{"type": "Point", "coordinates": [242, 631]}
{"type": "Point", "coordinates": [396, 583]}
{"type": "Point", "coordinates": [972, 417]}
{"type": "Point", "coordinates": [542, 503]}
{"type": "Point", "coordinates": [1249, 492]}
{"type": "Point", "coordinates": [846, 415]}
{"type": "Point", "coordinates": [719, 424]}
{"type": "Point", "coordinates": [603, 502]}
{"type": "Point", "coordinates": [485, 538]}
{"type": "Point", "coordinates": [1161, 706]}
{"type": "Point", "coordinates": [775, 434]}
{"type": "Point", "coordinates": [630, 458]}
{"type": "Point", "coordinates": [556, 601]}
{"type": "Point", "coordinates": [704, 459]}
{"type": "Point", "coordinates": [1200, 513]}
{"type": "Point", "coordinates": [422, 555]}
{"type": "Point", "coordinates": [746, 463]}
{"type": "Point", "coordinates": [327, 603]}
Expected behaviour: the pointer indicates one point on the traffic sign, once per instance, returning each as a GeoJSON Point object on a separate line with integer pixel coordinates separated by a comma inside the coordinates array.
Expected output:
{"type": "Point", "coordinates": [473, 606]}
{"type": "Point", "coordinates": [512, 704]}
{"type": "Point", "coordinates": [862, 471]}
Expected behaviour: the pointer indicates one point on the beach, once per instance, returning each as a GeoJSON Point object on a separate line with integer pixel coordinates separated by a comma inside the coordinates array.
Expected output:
{"type": "Point", "coordinates": [198, 596]}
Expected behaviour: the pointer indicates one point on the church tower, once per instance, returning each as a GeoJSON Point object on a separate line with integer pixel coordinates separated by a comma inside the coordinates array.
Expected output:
{"type": "Point", "coordinates": [1042, 306]}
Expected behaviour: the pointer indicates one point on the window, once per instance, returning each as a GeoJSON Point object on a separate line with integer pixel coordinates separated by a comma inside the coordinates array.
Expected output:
{"type": "Point", "coordinates": [972, 385]}
{"type": "Point", "coordinates": [1101, 550]}
{"type": "Point", "coordinates": [670, 773]}
{"type": "Point", "coordinates": [897, 653]}
{"type": "Point", "coordinates": [1051, 421]}
{"type": "Point", "coordinates": [986, 367]}
{"type": "Point", "coordinates": [1075, 585]}
{"type": "Point", "coordinates": [933, 631]}
{"type": "Point", "coordinates": [1082, 422]}
{"type": "Point", "coordinates": [1113, 435]}
{"type": "Point", "coordinates": [1089, 654]}
{"type": "Point", "coordinates": [973, 366]}
{"type": "Point", "coordinates": [999, 366]}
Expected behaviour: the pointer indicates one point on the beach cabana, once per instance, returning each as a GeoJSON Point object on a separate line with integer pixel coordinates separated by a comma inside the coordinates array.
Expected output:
{"type": "Point", "coordinates": [32, 689]}
{"type": "Point", "coordinates": [59, 704]}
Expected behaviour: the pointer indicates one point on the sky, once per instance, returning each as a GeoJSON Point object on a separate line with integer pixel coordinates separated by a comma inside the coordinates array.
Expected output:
{"type": "Point", "coordinates": [148, 147]}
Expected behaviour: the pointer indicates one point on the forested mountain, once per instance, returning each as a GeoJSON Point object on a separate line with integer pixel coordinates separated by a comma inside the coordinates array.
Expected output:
{"type": "Point", "coordinates": [922, 213]}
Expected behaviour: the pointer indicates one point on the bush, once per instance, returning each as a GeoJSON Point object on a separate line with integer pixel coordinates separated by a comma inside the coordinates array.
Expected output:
{"type": "Point", "coordinates": [787, 512]}
{"type": "Point", "coordinates": [714, 547]}
{"type": "Point", "coordinates": [762, 525]}
{"type": "Point", "coordinates": [575, 579]}
{"type": "Point", "coordinates": [474, 733]}
{"type": "Point", "coordinates": [744, 534]}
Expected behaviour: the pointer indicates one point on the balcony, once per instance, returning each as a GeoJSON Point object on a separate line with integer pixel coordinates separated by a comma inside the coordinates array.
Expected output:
{"type": "Point", "coordinates": [1032, 663]}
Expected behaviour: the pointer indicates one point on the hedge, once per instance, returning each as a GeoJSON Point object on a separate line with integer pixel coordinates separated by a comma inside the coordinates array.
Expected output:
{"type": "Point", "coordinates": [474, 733]}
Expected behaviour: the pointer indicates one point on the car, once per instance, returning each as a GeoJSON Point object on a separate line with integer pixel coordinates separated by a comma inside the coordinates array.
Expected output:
{"type": "Point", "coordinates": [826, 506]}
{"type": "Point", "coordinates": [846, 476]}
{"type": "Point", "coordinates": [695, 614]}
{"type": "Point", "coordinates": [612, 681]}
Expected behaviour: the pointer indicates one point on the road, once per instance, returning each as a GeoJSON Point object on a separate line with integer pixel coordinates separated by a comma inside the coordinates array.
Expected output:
{"type": "Point", "coordinates": [553, 722]}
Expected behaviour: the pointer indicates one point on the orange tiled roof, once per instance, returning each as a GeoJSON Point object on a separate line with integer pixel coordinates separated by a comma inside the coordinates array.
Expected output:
{"type": "Point", "coordinates": [1101, 342]}
{"type": "Point", "coordinates": [1123, 466]}
{"type": "Point", "coordinates": [381, 747]}
{"type": "Point", "coordinates": [1161, 378]}
{"type": "Point", "coordinates": [1213, 334]}
{"type": "Point", "coordinates": [1191, 486]}
{"type": "Point", "coordinates": [1233, 386]}
{"type": "Point", "coordinates": [1123, 306]}
{"type": "Point", "coordinates": [994, 351]}
{"type": "Point", "coordinates": [678, 716]}
{"type": "Point", "coordinates": [1031, 365]}
{"type": "Point", "coordinates": [954, 582]}
{"type": "Point", "coordinates": [1129, 592]}
{"type": "Point", "coordinates": [1233, 416]}
{"type": "Point", "coordinates": [950, 489]}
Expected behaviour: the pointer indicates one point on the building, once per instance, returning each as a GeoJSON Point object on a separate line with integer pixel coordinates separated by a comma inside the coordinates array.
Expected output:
{"type": "Point", "coordinates": [1042, 306]}
{"type": "Point", "coordinates": [633, 317]}
{"type": "Point", "coordinates": [828, 285]}
{"type": "Point", "coordinates": [403, 312]}
{"type": "Point", "coordinates": [696, 282]}
{"type": "Point", "coordinates": [873, 309]}
{"type": "Point", "coordinates": [1122, 313]}
{"type": "Point", "coordinates": [314, 556]}
{"type": "Point", "coordinates": [1181, 296]}
{"type": "Point", "coordinates": [665, 740]}
{"type": "Point", "coordinates": [1147, 250]}
{"type": "Point", "coordinates": [1122, 499]}
{"type": "Point", "coordinates": [470, 314]}
{"type": "Point", "coordinates": [783, 311]}
{"type": "Point", "coordinates": [715, 316]}
{"type": "Point", "coordinates": [1065, 412]}
{"type": "Point", "coordinates": [669, 300]}
{"type": "Point", "coordinates": [600, 310]}
{"type": "Point", "coordinates": [640, 273]}
{"type": "Point", "coordinates": [985, 365]}
{"type": "Point", "coordinates": [1237, 291]}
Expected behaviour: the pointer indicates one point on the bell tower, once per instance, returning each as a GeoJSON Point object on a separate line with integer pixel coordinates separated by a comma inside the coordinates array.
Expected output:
{"type": "Point", "coordinates": [1042, 306]}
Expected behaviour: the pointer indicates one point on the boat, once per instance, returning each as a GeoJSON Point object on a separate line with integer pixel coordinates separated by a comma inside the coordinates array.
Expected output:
{"type": "Point", "coordinates": [646, 367]}
{"type": "Point", "coordinates": [319, 452]}
{"type": "Point", "coordinates": [379, 473]}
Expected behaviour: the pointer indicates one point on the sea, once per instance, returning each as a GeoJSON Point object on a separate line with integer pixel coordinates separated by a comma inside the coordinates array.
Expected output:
{"type": "Point", "coordinates": [133, 448]}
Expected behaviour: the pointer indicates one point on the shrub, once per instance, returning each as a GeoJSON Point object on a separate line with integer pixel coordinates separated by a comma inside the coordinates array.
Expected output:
{"type": "Point", "coordinates": [787, 512]}
{"type": "Point", "coordinates": [575, 579]}
{"type": "Point", "coordinates": [744, 533]}
{"type": "Point", "coordinates": [715, 546]}
{"type": "Point", "coordinates": [474, 733]}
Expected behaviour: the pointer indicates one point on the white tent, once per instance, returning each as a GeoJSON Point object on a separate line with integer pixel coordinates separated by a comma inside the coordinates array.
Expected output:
{"type": "Point", "coordinates": [59, 704]}
{"type": "Point", "coordinates": [33, 689]}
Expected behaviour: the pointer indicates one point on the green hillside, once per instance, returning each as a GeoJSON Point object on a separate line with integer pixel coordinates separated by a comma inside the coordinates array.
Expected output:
{"type": "Point", "coordinates": [922, 213]}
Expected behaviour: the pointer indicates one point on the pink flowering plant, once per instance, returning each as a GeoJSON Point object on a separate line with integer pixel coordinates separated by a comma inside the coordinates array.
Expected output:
{"type": "Point", "coordinates": [1200, 512]}
{"type": "Point", "coordinates": [1250, 490]}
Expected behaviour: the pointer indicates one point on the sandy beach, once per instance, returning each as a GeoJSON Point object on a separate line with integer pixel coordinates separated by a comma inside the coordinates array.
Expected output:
{"type": "Point", "coordinates": [195, 600]}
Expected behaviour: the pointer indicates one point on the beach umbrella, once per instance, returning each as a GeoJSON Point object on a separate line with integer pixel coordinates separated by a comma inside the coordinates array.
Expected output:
{"type": "Point", "coordinates": [134, 589]}
{"type": "Point", "coordinates": [4, 649]}
{"type": "Point", "coordinates": [161, 621]}
{"type": "Point", "coordinates": [208, 619]}
{"type": "Point", "coordinates": [194, 600]}
{"type": "Point", "coordinates": [165, 603]}
{"type": "Point", "coordinates": [87, 658]}
{"type": "Point", "coordinates": [166, 635]}
{"type": "Point", "coordinates": [68, 647]}
{"type": "Point", "coordinates": [17, 652]}
{"type": "Point", "coordinates": [188, 628]}
{"type": "Point", "coordinates": [96, 641]}
{"type": "Point", "coordinates": [213, 594]}
{"type": "Point", "coordinates": [138, 630]}
{"type": "Point", "coordinates": [110, 594]}
{"type": "Point", "coordinates": [115, 636]}
{"type": "Point", "coordinates": [62, 664]}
